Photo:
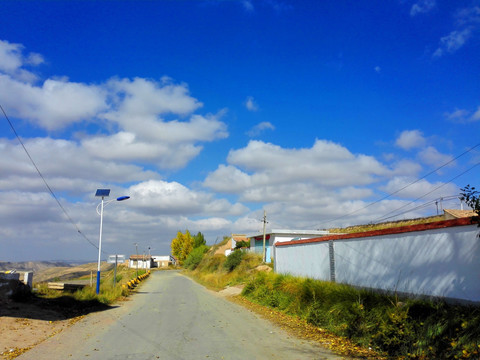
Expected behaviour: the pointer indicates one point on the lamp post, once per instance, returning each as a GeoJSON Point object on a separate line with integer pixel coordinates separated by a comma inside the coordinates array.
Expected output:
{"type": "Point", "coordinates": [103, 193]}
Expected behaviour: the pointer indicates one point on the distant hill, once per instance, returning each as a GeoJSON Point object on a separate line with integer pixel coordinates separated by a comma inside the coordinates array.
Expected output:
{"type": "Point", "coordinates": [44, 271]}
{"type": "Point", "coordinates": [31, 265]}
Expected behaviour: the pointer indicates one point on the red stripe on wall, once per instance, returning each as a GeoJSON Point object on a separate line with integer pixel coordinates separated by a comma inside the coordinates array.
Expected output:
{"type": "Point", "coordinates": [389, 231]}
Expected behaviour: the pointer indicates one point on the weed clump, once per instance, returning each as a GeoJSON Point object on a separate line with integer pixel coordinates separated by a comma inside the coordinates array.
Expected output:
{"type": "Point", "coordinates": [233, 260]}
{"type": "Point", "coordinates": [195, 257]}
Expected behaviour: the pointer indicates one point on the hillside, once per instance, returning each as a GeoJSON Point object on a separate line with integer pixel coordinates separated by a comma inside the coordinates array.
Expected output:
{"type": "Point", "coordinates": [44, 271]}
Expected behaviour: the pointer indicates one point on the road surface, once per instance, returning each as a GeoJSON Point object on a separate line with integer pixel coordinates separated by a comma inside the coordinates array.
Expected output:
{"type": "Point", "coordinates": [172, 317]}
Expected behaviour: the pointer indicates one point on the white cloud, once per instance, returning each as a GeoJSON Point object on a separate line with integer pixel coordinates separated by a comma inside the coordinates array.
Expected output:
{"type": "Point", "coordinates": [462, 116]}
{"type": "Point", "coordinates": [458, 115]}
{"type": "Point", "coordinates": [142, 97]}
{"type": "Point", "coordinates": [324, 164]}
{"type": "Point", "coordinates": [410, 139]}
{"type": "Point", "coordinates": [155, 197]}
{"type": "Point", "coordinates": [406, 168]}
{"type": "Point", "coordinates": [54, 105]}
{"type": "Point", "coordinates": [476, 115]}
{"type": "Point", "coordinates": [422, 7]}
{"type": "Point", "coordinates": [259, 128]}
{"type": "Point", "coordinates": [452, 42]}
{"type": "Point", "coordinates": [250, 104]}
{"type": "Point", "coordinates": [468, 16]}
{"type": "Point", "coordinates": [467, 21]}
{"type": "Point", "coordinates": [12, 60]}
{"type": "Point", "coordinates": [432, 156]}
{"type": "Point", "coordinates": [65, 165]}
{"type": "Point", "coordinates": [419, 188]}
{"type": "Point", "coordinates": [131, 111]}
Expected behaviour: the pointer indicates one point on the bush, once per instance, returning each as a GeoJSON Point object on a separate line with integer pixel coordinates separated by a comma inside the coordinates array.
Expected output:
{"type": "Point", "coordinates": [233, 260]}
{"type": "Point", "coordinates": [194, 258]}
{"type": "Point", "coordinates": [242, 244]}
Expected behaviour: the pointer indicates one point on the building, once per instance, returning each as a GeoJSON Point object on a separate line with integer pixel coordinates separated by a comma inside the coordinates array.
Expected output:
{"type": "Point", "coordinates": [162, 261]}
{"type": "Point", "coordinates": [231, 244]}
{"type": "Point", "coordinates": [140, 262]}
{"type": "Point", "coordinates": [271, 237]}
{"type": "Point", "coordinates": [450, 214]}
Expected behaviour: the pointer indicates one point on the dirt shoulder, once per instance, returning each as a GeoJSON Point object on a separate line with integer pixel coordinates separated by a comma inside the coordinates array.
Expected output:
{"type": "Point", "coordinates": [28, 323]}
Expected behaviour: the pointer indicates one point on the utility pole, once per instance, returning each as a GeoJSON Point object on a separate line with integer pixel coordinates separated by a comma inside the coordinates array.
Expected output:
{"type": "Point", "coordinates": [264, 225]}
{"type": "Point", "coordinates": [115, 272]}
{"type": "Point", "coordinates": [136, 251]}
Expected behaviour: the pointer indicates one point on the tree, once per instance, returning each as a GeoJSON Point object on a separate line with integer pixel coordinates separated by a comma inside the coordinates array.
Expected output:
{"type": "Point", "coordinates": [182, 245]}
{"type": "Point", "coordinates": [471, 198]}
{"type": "Point", "coordinates": [198, 240]}
{"type": "Point", "coordinates": [242, 244]}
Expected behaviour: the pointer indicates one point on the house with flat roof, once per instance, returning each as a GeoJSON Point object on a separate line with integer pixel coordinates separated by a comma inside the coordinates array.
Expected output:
{"type": "Point", "coordinates": [274, 235]}
{"type": "Point", "coordinates": [140, 262]}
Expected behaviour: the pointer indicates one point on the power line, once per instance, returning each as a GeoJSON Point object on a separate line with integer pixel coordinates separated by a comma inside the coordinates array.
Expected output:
{"type": "Point", "coordinates": [421, 206]}
{"type": "Point", "coordinates": [428, 193]}
{"type": "Point", "coordinates": [45, 181]}
{"type": "Point", "coordinates": [406, 186]}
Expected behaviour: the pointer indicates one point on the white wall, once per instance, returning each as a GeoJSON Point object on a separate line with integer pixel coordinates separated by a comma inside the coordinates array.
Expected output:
{"type": "Point", "coordinates": [303, 260]}
{"type": "Point", "coordinates": [441, 262]}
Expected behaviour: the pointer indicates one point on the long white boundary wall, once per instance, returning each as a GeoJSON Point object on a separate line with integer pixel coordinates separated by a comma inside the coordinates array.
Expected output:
{"type": "Point", "coordinates": [438, 259]}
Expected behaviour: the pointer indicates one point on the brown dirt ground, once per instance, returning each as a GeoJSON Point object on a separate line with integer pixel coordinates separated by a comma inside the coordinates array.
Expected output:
{"type": "Point", "coordinates": [26, 325]}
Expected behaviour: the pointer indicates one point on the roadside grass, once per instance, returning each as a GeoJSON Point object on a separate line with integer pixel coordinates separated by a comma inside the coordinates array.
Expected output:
{"type": "Point", "coordinates": [108, 293]}
{"type": "Point", "coordinates": [214, 274]}
{"type": "Point", "coordinates": [395, 327]}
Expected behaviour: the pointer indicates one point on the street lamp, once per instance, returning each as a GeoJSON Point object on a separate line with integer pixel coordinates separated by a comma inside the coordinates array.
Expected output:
{"type": "Point", "coordinates": [103, 193]}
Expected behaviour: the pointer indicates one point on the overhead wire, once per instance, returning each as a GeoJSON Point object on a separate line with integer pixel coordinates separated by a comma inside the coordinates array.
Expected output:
{"type": "Point", "coordinates": [423, 205]}
{"type": "Point", "coordinates": [428, 193]}
{"type": "Point", "coordinates": [45, 181]}
{"type": "Point", "coordinates": [406, 186]}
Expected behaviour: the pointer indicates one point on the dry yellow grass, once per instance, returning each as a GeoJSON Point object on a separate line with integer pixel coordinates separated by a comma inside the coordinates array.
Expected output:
{"type": "Point", "coordinates": [385, 225]}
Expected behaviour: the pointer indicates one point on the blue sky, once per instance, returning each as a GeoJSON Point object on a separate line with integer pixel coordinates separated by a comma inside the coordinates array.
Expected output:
{"type": "Point", "coordinates": [208, 112]}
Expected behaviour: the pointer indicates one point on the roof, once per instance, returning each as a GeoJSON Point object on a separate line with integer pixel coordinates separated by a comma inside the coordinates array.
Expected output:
{"type": "Point", "coordinates": [239, 237]}
{"type": "Point", "coordinates": [459, 213]}
{"type": "Point", "coordinates": [140, 257]}
{"type": "Point", "coordinates": [162, 257]}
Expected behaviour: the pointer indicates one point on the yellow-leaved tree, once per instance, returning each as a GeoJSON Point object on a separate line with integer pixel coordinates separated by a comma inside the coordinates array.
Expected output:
{"type": "Point", "coordinates": [182, 245]}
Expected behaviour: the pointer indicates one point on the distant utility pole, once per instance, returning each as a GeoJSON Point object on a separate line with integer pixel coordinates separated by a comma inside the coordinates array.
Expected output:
{"type": "Point", "coordinates": [136, 251]}
{"type": "Point", "coordinates": [264, 225]}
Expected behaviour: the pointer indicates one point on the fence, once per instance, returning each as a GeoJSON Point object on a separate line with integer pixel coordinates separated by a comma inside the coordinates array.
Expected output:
{"type": "Point", "coordinates": [435, 259]}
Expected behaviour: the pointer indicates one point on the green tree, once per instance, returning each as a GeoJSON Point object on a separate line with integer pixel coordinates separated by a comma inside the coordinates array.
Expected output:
{"type": "Point", "coordinates": [471, 198]}
{"type": "Point", "coordinates": [242, 244]}
{"type": "Point", "coordinates": [198, 240]}
{"type": "Point", "coordinates": [182, 245]}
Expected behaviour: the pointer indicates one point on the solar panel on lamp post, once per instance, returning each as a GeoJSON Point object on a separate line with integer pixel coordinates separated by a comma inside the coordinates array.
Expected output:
{"type": "Point", "coordinates": [103, 193]}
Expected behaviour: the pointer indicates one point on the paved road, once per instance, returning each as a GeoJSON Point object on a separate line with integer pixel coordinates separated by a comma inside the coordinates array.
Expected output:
{"type": "Point", "coordinates": [172, 317]}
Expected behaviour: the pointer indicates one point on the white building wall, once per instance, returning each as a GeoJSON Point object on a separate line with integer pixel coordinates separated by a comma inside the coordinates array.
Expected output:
{"type": "Point", "coordinates": [441, 262]}
{"type": "Point", "coordinates": [303, 260]}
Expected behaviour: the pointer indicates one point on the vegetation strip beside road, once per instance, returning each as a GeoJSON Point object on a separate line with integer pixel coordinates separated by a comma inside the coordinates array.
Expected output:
{"type": "Point", "coordinates": [350, 321]}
